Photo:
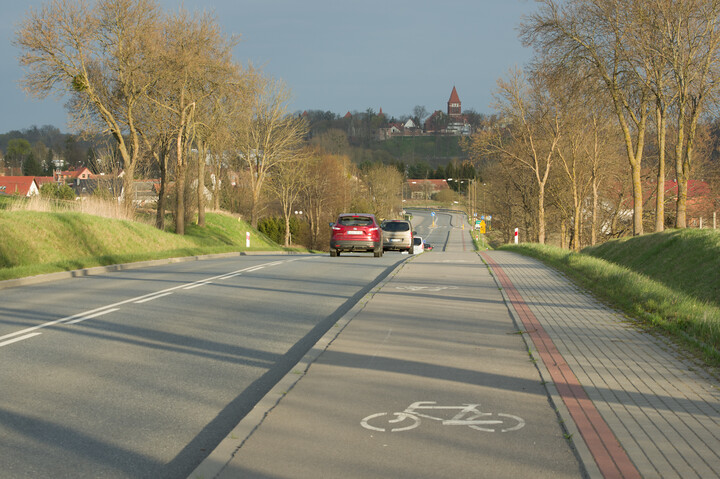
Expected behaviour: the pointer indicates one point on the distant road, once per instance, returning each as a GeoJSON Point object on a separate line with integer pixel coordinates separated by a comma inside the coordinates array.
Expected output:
{"type": "Point", "coordinates": [141, 373]}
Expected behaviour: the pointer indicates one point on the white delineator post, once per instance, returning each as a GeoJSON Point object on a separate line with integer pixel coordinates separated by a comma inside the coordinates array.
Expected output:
{"type": "Point", "coordinates": [247, 239]}
{"type": "Point", "coordinates": [516, 236]}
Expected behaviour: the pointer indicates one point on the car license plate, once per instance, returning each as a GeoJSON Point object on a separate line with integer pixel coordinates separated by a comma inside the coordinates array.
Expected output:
{"type": "Point", "coordinates": [395, 240]}
{"type": "Point", "coordinates": [354, 232]}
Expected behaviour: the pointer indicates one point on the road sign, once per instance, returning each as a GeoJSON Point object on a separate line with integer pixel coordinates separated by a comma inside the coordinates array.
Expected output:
{"type": "Point", "coordinates": [432, 213]}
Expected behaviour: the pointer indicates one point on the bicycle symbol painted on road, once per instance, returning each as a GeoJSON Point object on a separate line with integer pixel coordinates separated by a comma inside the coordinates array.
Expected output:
{"type": "Point", "coordinates": [467, 415]}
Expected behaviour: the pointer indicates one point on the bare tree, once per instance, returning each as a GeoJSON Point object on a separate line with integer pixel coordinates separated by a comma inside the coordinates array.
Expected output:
{"type": "Point", "coordinates": [593, 34]}
{"type": "Point", "coordinates": [328, 191]}
{"type": "Point", "coordinates": [268, 137]}
{"type": "Point", "coordinates": [383, 185]}
{"type": "Point", "coordinates": [288, 182]}
{"type": "Point", "coordinates": [690, 32]}
{"type": "Point", "coordinates": [532, 136]}
{"type": "Point", "coordinates": [98, 55]}
{"type": "Point", "coordinates": [194, 61]}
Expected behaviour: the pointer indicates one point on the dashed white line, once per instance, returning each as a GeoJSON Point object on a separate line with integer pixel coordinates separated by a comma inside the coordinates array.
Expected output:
{"type": "Point", "coordinates": [151, 298]}
{"type": "Point", "coordinates": [90, 316]}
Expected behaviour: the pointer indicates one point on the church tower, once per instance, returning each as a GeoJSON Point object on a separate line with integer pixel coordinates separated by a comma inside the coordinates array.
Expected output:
{"type": "Point", "coordinates": [454, 104]}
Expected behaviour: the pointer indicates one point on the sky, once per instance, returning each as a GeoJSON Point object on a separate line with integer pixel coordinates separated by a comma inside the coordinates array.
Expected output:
{"type": "Point", "coordinates": [333, 55]}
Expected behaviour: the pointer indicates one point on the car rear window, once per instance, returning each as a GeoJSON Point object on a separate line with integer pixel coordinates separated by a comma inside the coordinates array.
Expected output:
{"type": "Point", "coordinates": [355, 221]}
{"type": "Point", "coordinates": [396, 226]}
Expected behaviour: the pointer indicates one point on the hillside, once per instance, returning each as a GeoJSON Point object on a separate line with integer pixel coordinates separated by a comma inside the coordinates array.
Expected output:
{"type": "Point", "coordinates": [686, 260]}
{"type": "Point", "coordinates": [435, 150]}
{"type": "Point", "coordinates": [36, 243]}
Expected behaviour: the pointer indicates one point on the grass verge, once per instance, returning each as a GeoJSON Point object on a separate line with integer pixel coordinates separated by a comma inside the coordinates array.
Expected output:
{"type": "Point", "coordinates": [36, 243]}
{"type": "Point", "coordinates": [479, 241]}
{"type": "Point", "coordinates": [657, 303]}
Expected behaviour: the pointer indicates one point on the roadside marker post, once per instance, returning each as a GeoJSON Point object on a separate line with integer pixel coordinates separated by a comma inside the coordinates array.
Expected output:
{"type": "Point", "coordinates": [516, 236]}
{"type": "Point", "coordinates": [247, 239]}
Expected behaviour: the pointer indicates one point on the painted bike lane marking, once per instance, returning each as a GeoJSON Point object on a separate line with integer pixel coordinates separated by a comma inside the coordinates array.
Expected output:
{"type": "Point", "coordinates": [466, 415]}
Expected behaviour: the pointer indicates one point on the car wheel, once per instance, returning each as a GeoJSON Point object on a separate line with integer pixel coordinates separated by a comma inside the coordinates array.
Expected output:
{"type": "Point", "coordinates": [334, 252]}
{"type": "Point", "coordinates": [379, 253]}
{"type": "Point", "coordinates": [410, 250]}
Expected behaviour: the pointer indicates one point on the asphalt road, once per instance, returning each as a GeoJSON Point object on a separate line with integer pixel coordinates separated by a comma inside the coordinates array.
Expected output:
{"type": "Point", "coordinates": [141, 373]}
{"type": "Point", "coordinates": [428, 379]}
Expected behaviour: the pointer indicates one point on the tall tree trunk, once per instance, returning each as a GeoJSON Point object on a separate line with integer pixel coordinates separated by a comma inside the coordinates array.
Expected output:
{"type": "Point", "coordinates": [680, 202]}
{"type": "Point", "coordinates": [634, 150]}
{"type": "Point", "coordinates": [660, 191]}
{"type": "Point", "coordinates": [201, 184]}
{"type": "Point", "coordinates": [593, 228]}
{"type": "Point", "coordinates": [288, 237]}
{"type": "Point", "coordinates": [162, 201]}
{"type": "Point", "coordinates": [541, 214]}
{"type": "Point", "coordinates": [576, 238]}
{"type": "Point", "coordinates": [179, 187]}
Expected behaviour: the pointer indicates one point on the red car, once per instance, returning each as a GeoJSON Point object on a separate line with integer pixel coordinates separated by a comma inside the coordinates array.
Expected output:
{"type": "Point", "coordinates": [356, 232]}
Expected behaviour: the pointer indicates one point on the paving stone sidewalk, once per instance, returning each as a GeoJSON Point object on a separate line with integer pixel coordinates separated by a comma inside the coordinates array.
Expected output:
{"type": "Point", "coordinates": [663, 409]}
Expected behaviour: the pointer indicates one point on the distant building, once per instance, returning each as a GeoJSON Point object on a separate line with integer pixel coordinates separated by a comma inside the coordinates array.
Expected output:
{"type": "Point", "coordinates": [81, 173]}
{"type": "Point", "coordinates": [453, 123]}
{"type": "Point", "coordinates": [454, 108]}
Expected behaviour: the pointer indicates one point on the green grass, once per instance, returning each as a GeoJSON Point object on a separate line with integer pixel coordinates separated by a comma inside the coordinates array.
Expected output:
{"type": "Point", "coordinates": [685, 260]}
{"type": "Point", "coordinates": [37, 243]}
{"type": "Point", "coordinates": [479, 241]}
{"type": "Point", "coordinates": [669, 281]}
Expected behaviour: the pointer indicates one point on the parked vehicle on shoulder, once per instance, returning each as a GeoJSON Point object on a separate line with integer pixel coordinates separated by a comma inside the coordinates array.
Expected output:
{"type": "Point", "coordinates": [356, 232]}
{"type": "Point", "coordinates": [397, 235]}
{"type": "Point", "coordinates": [418, 245]}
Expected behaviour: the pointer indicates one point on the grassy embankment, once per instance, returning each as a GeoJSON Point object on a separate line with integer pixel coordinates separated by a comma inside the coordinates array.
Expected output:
{"type": "Point", "coordinates": [668, 281]}
{"type": "Point", "coordinates": [35, 243]}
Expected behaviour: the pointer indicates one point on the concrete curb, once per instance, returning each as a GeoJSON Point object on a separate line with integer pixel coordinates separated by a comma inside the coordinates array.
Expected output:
{"type": "Point", "coordinates": [219, 458]}
{"type": "Point", "coordinates": [587, 461]}
{"type": "Point", "coordinates": [45, 278]}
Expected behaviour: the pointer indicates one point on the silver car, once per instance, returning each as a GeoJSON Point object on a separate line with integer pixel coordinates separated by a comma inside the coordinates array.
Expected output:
{"type": "Point", "coordinates": [397, 235]}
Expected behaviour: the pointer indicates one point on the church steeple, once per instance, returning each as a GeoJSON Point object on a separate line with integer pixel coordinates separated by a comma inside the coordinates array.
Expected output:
{"type": "Point", "coordinates": [453, 106]}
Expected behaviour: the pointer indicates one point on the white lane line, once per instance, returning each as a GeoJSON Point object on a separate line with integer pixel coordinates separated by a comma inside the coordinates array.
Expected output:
{"type": "Point", "coordinates": [257, 268]}
{"type": "Point", "coordinates": [90, 316]}
{"type": "Point", "coordinates": [120, 303]}
{"type": "Point", "coordinates": [21, 338]}
{"type": "Point", "coordinates": [157, 296]}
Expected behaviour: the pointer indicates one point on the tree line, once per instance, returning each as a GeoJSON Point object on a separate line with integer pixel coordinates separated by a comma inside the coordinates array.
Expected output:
{"type": "Point", "coordinates": [617, 99]}
{"type": "Point", "coordinates": [37, 151]}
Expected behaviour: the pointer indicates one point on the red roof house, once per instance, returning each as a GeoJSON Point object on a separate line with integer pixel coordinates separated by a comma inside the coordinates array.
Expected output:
{"type": "Point", "coordinates": [18, 185]}
{"type": "Point", "coordinates": [82, 173]}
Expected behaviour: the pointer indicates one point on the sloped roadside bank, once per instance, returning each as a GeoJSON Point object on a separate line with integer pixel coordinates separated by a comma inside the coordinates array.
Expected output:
{"type": "Point", "coordinates": [37, 243]}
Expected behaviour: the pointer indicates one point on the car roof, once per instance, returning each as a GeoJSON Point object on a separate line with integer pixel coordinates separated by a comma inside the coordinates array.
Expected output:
{"type": "Point", "coordinates": [356, 214]}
